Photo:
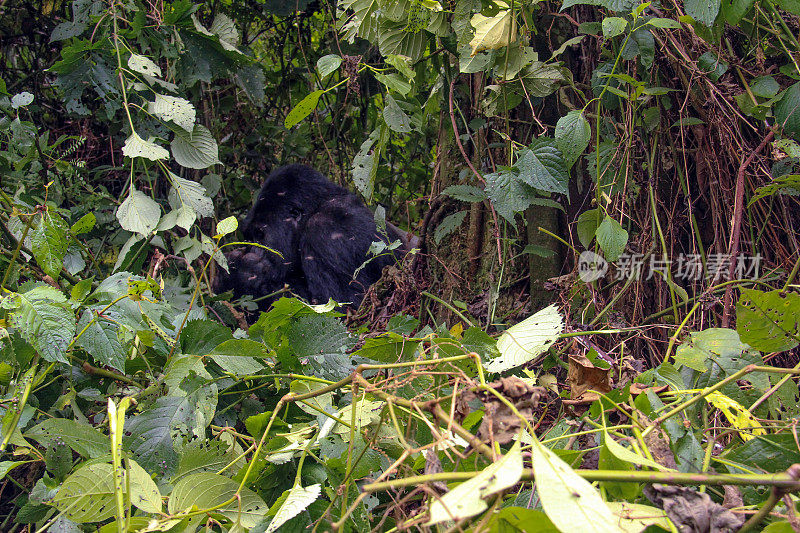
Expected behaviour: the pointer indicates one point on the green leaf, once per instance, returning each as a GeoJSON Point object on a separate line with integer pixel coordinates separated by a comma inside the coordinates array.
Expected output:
{"type": "Point", "coordinates": [80, 436]}
{"type": "Point", "coordinates": [178, 110]}
{"type": "Point", "coordinates": [150, 434]}
{"type": "Point", "coordinates": [395, 117]}
{"type": "Point", "coordinates": [508, 193]}
{"type": "Point", "coordinates": [765, 87]}
{"type": "Point", "coordinates": [207, 490]}
{"type": "Point", "coordinates": [88, 494]}
{"type": "Point", "coordinates": [135, 146]}
{"type": "Point", "coordinates": [665, 23]}
{"type": "Point", "coordinates": [522, 342]}
{"type": "Point", "coordinates": [395, 82]}
{"type": "Point", "coordinates": [306, 106]}
{"type": "Point", "coordinates": [768, 321]}
{"type": "Point", "coordinates": [295, 501]}
{"type": "Point", "coordinates": [323, 402]}
{"type": "Point", "coordinates": [21, 100]}
{"type": "Point", "coordinates": [734, 10]}
{"type": "Point", "coordinates": [587, 225]}
{"type": "Point", "coordinates": [84, 224]}
{"type": "Point", "coordinates": [49, 243]}
{"type": "Point", "coordinates": [143, 65]}
{"type": "Point", "coordinates": [226, 226]}
{"type": "Point", "coordinates": [100, 340]}
{"type": "Point", "coordinates": [493, 32]}
{"type": "Point", "coordinates": [143, 490]}
{"type": "Point", "coordinates": [703, 11]}
{"type": "Point", "coordinates": [572, 135]}
{"type": "Point", "coordinates": [612, 238]}
{"type": "Point", "coordinates": [195, 150]}
{"type": "Point", "coordinates": [365, 163]}
{"type": "Point", "coordinates": [468, 499]}
{"type": "Point", "coordinates": [613, 26]}
{"type": "Point", "coordinates": [448, 225]}
{"type": "Point", "coordinates": [202, 456]}
{"type": "Point", "coordinates": [328, 64]}
{"type": "Point", "coordinates": [787, 111]}
{"type": "Point", "coordinates": [389, 348]}
{"type": "Point", "coordinates": [44, 319]}
{"type": "Point", "coordinates": [570, 501]}
{"type": "Point", "coordinates": [240, 357]}
{"type": "Point", "coordinates": [465, 193]}
{"type": "Point", "coordinates": [190, 193]}
{"type": "Point", "coordinates": [543, 167]}
{"type": "Point", "coordinates": [138, 213]}
{"type": "Point", "coordinates": [792, 6]}
{"type": "Point", "coordinates": [712, 65]}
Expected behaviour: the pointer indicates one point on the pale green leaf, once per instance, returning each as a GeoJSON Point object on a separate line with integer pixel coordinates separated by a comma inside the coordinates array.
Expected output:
{"type": "Point", "coordinates": [613, 26]}
{"type": "Point", "coordinates": [297, 500]}
{"type": "Point", "coordinates": [468, 499]}
{"type": "Point", "coordinates": [188, 192]}
{"type": "Point", "coordinates": [572, 135]}
{"type": "Point", "coordinates": [207, 490]}
{"type": "Point", "coordinates": [81, 437]}
{"type": "Point", "coordinates": [524, 341]}
{"type": "Point", "coordinates": [227, 225]}
{"type": "Point", "coordinates": [144, 491]}
{"type": "Point", "coordinates": [395, 117]}
{"type": "Point", "coordinates": [143, 65]}
{"type": "Point", "coordinates": [492, 32]}
{"type": "Point", "coordinates": [569, 500]}
{"type": "Point", "coordinates": [88, 494]}
{"type": "Point", "coordinates": [703, 11]}
{"type": "Point", "coordinates": [328, 64]}
{"type": "Point", "coordinates": [306, 106]}
{"type": "Point", "coordinates": [197, 150]}
{"type": "Point", "coordinates": [178, 110]}
{"type": "Point", "coordinates": [138, 213]}
{"type": "Point", "coordinates": [135, 146]}
{"type": "Point", "coordinates": [612, 238]}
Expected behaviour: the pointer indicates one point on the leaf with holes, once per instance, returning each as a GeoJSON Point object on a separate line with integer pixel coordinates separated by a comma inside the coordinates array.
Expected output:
{"type": "Point", "coordinates": [207, 490]}
{"type": "Point", "coordinates": [81, 437]}
{"type": "Point", "coordinates": [189, 192]}
{"type": "Point", "coordinates": [522, 342]}
{"type": "Point", "coordinates": [306, 106]}
{"type": "Point", "coordinates": [178, 110]}
{"type": "Point", "coordinates": [768, 321]}
{"type": "Point", "coordinates": [88, 494]}
{"type": "Point", "coordinates": [195, 150]}
{"type": "Point", "coordinates": [395, 117]}
{"type": "Point", "coordinates": [135, 146]}
{"type": "Point", "coordinates": [143, 65]}
{"type": "Point", "coordinates": [44, 319]}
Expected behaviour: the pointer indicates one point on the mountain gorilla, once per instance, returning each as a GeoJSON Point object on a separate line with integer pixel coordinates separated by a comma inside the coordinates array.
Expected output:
{"type": "Point", "coordinates": [323, 233]}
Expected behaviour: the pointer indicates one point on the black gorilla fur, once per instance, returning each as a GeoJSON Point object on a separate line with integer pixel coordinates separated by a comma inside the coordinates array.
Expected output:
{"type": "Point", "coordinates": [323, 232]}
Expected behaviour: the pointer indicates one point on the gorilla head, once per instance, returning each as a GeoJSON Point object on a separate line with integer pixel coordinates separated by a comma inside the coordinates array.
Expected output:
{"type": "Point", "coordinates": [323, 233]}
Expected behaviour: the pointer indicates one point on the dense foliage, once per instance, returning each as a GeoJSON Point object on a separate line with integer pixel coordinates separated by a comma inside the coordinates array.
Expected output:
{"type": "Point", "coordinates": [635, 163]}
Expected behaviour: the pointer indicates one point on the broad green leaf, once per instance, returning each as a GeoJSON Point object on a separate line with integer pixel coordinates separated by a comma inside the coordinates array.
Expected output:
{"type": "Point", "coordinates": [636, 517]}
{"type": "Point", "coordinates": [787, 111]}
{"type": "Point", "coordinates": [365, 164]}
{"type": "Point", "coordinates": [665, 23]}
{"type": "Point", "coordinates": [613, 26]}
{"type": "Point", "coordinates": [323, 402]}
{"type": "Point", "coordinates": [389, 348]}
{"type": "Point", "coordinates": [224, 28]}
{"type": "Point", "coordinates": [569, 500]}
{"type": "Point", "coordinates": [465, 193]}
{"type": "Point", "coordinates": [80, 436]}
{"type": "Point", "coordinates": [792, 6]}
{"type": "Point", "coordinates": [178, 110]}
{"type": "Point", "coordinates": [448, 225]}
{"type": "Point", "coordinates": [367, 413]}
{"type": "Point", "coordinates": [403, 64]}
{"type": "Point", "coordinates": [522, 342]}
{"type": "Point", "coordinates": [100, 340]}
{"type": "Point", "coordinates": [543, 167]}
{"type": "Point", "coordinates": [49, 243]}
{"type": "Point", "coordinates": [297, 499]}
{"type": "Point", "coordinates": [196, 150]}
{"type": "Point", "coordinates": [767, 453]}
{"type": "Point", "coordinates": [227, 225]}
{"type": "Point", "coordinates": [151, 434]}
{"type": "Point", "coordinates": [572, 135]}
{"type": "Point", "coordinates": [395, 117]}
{"type": "Point", "coordinates": [768, 321]}
{"type": "Point", "coordinates": [138, 213]}
{"type": "Point", "coordinates": [240, 357]}
{"type": "Point", "coordinates": [328, 64]}
{"type": "Point", "coordinates": [7, 466]}
{"type": "Point", "coordinates": [143, 65]}
{"type": "Point", "coordinates": [703, 11]}
{"type": "Point", "coordinates": [394, 82]}
{"type": "Point", "coordinates": [207, 490]}
{"type": "Point", "coordinates": [468, 499]}
{"type": "Point", "coordinates": [44, 320]}
{"type": "Point", "coordinates": [84, 224]}
{"type": "Point", "coordinates": [629, 456]}
{"type": "Point", "coordinates": [734, 10]}
{"type": "Point", "coordinates": [88, 494]}
{"type": "Point", "coordinates": [306, 106]}
{"type": "Point", "coordinates": [135, 146]}
{"type": "Point", "coordinates": [612, 238]}
{"type": "Point", "coordinates": [203, 456]}
{"type": "Point", "coordinates": [712, 65]}
{"type": "Point", "coordinates": [395, 39]}
{"type": "Point", "coordinates": [587, 225]}
{"type": "Point", "coordinates": [188, 192]}
{"type": "Point", "coordinates": [21, 100]}
{"type": "Point", "coordinates": [492, 32]}
{"type": "Point", "coordinates": [509, 193]}
{"type": "Point", "coordinates": [765, 87]}
{"type": "Point", "coordinates": [144, 491]}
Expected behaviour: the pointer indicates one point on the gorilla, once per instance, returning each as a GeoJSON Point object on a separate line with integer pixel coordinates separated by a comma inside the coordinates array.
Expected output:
{"type": "Point", "coordinates": [323, 232]}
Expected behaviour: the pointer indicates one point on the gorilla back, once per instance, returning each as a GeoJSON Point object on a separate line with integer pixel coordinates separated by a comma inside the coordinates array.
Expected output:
{"type": "Point", "coordinates": [323, 232]}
